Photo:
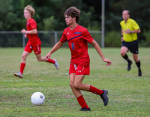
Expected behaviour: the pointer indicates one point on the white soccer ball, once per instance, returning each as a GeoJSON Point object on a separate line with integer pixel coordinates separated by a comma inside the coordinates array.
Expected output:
{"type": "Point", "coordinates": [37, 98]}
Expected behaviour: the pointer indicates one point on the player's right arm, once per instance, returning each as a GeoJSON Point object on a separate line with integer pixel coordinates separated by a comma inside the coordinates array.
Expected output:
{"type": "Point", "coordinates": [55, 48]}
{"type": "Point", "coordinates": [58, 45]}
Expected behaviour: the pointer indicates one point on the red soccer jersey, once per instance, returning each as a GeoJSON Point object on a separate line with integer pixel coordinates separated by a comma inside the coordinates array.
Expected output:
{"type": "Point", "coordinates": [34, 40]}
{"type": "Point", "coordinates": [78, 39]}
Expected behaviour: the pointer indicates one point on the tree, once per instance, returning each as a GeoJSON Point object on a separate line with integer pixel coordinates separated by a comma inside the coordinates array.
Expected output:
{"type": "Point", "coordinates": [8, 17]}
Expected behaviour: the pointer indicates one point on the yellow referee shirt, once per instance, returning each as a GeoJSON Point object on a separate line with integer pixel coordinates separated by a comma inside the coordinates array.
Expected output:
{"type": "Point", "coordinates": [131, 25]}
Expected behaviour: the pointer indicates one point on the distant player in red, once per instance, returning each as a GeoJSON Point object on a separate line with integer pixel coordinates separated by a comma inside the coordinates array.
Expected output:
{"type": "Point", "coordinates": [78, 38]}
{"type": "Point", "coordinates": [34, 43]}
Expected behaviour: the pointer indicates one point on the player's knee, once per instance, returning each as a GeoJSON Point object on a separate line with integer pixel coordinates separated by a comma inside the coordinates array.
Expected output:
{"type": "Point", "coordinates": [71, 85]}
{"type": "Point", "coordinates": [39, 59]}
{"type": "Point", "coordinates": [77, 86]}
{"type": "Point", "coordinates": [122, 53]}
{"type": "Point", "coordinates": [24, 57]}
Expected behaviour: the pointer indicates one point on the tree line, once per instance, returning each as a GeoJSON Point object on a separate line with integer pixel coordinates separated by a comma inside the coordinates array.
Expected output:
{"type": "Point", "coordinates": [49, 15]}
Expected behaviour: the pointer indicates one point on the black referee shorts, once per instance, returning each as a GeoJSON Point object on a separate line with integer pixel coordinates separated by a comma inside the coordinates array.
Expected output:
{"type": "Point", "coordinates": [132, 46]}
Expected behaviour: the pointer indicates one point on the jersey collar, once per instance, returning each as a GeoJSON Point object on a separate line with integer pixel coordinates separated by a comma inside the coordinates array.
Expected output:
{"type": "Point", "coordinates": [127, 20]}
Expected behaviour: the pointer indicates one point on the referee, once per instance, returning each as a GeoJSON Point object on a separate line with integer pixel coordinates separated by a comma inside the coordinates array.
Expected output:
{"type": "Point", "coordinates": [129, 30]}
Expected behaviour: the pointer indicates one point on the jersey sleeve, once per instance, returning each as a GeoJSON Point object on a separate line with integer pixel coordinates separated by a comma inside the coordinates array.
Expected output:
{"type": "Point", "coordinates": [121, 24]}
{"type": "Point", "coordinates": [33, 24]}
{"type": "Point", "coordinates": [135, 26]}
{"type": "Point", "coordinates": [63, 37]}
{"type": "Point", "coordinates": [87, 36]}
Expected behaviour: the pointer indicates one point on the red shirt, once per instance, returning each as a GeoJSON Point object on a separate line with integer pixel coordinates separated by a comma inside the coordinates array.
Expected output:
{"type": "Point", "coordinates": [78, 39]}
{"type": "Point", "coordinates": [34, 40]}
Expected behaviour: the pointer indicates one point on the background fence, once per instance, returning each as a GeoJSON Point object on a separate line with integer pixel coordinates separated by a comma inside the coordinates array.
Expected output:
{"type": "Point", "coordinates": [48, 38]}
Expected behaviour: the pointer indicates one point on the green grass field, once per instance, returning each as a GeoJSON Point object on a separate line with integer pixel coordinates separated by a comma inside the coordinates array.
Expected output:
{"type": "Point", "coordinates": [129, 95]}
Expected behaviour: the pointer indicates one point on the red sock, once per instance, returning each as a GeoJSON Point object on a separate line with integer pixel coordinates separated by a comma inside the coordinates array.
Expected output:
{"type": "Point", "coordinates": [82, 102]}
{"type": "Point", "coordinates": [22, 66]}
{"type": "Point", "coordinates": [95, 90]}
{"type": "Point", "coordinates": [51, 61]}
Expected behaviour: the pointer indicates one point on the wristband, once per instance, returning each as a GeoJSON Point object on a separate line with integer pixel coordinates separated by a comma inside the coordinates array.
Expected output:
{"type": "Point", "coordinates": [130, 31]}
{"type": "Point", "coordinates": [121, 35]}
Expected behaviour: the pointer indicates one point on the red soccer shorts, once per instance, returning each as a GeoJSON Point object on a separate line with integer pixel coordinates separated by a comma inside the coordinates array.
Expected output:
{"type": "Point", "coordinates": [36, 49]}
{"type": "Point", "coordinates": [79, 70]}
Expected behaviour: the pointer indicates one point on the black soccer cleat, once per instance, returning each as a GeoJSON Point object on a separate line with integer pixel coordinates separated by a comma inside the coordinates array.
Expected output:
{"type": "Point", "coordinates": [129, 66]}
{"type": "Point", "coordinates": [140, 74]}
{"type": "Point", "coordinates": [104, 97]}
{"type": "Point", "coordinates": [85, 109]}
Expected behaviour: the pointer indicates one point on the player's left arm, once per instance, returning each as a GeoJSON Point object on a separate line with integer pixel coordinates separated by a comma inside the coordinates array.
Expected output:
{"type": "Point", "coordinates": [135, 31]}
{"type": "Point", "coordinates": [136, 28]}
{"type": "Point", "coordinates": [99, 51]}
{"type": "Point", "coordinates": [34, 31]}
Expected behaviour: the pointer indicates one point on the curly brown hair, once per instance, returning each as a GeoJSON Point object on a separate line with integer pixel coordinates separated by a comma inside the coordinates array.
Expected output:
{"type": "Point", "coordinates": [73, 12]}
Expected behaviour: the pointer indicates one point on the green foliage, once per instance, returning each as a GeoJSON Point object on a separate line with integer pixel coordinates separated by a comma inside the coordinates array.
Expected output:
{"type": "Point", "coordinates": [50, 23]}
{"type": "Point", "coordinates": [56, 8]}
{"type": "Point", "coordinates": [11, 40]}
{"type": "Point", "coordinates": [142, 43]}
{"type": "Point", "coordinates": [12, 13]}
{"type": "Point", "coordinates": [147, 36]}
{"type": "Point", "coordinates": [8, 17]}
{"type": "Point", "coordinates": [113, 39]}
{"type": "Point", "coordinates": [49, 14]}
{"type": "Point", "coordinates": [86, 20]}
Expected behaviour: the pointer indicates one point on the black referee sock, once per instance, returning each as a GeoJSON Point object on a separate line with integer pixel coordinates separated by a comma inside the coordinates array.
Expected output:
{"type": "Point", "coordinates": [138, 65]}
{"type": "Point", "coordinates": [126, 58]}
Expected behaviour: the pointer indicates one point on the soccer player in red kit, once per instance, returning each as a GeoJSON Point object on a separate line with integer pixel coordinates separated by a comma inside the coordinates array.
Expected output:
{"type": "Point", "coordinates": [78, 38]}
{"type": "Point", "coordinates": [34, 43]}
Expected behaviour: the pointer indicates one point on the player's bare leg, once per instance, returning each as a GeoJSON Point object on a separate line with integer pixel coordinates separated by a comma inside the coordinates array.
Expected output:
{"type": "Point", "coordinates": [135, 57]}
{"type": "Point", "coordinates": [78, 83]}
{"type": "Point", "coordinates": [40, 58]}
{"type": "Point", "coordinates": [78, 94]}
{"type": "Point", "coordinates": [86, 87]}
{"type": "Point", "coordinates": [123, 50]}
{"type": "Point", "coordinates": [22, 65]}
{"type": "Point", "coordinates": [138, 63]}
{"type": "Point", "coordinates": [24, 56]}
{"type": "Point", "coordinates": [125, 56]}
